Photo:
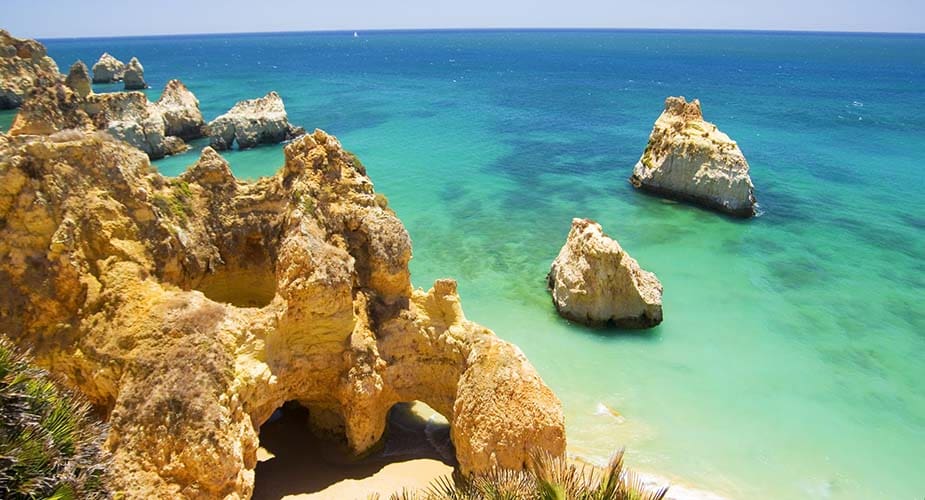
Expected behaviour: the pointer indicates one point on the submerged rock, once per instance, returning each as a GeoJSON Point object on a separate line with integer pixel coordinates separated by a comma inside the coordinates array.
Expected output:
{"type": "Point", "coordinates": [134, 75]}
{"type": "Point", "coordinates": [595, 282]}
{"type": "Point", "coordinates": [24, 64]}
{"type": "Point", "coordinates": [689, 159]}
{"type": "Point", "coordinates": [78, 79]}
{"type": "Point", "coordinates": [253, 122]}
{"type": "Point", "coordinates": [158, 129]}
{"type": "Point", "coordinates": [189, 309]}
{"type": "Point", "coordinates": [108, 69]}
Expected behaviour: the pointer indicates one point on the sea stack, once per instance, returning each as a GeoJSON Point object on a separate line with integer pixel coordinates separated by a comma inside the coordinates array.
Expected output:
{"type": "Point", "coordinates": [134, 76]}
{"type": "Point", "coordinates": [180, 109]}
{"type": "Point", "coordinates": [78, 79]}
{"type": "Point", "coordinates": [108, 69]}
{"type": "Point", "coordinates": [689, 159]}
{"type": "Point", "coordinates": [24, 64]}
{"type": "Point", "coordinates": [253, 122]}
{"type": "Point", "coordinates": [595, 282]}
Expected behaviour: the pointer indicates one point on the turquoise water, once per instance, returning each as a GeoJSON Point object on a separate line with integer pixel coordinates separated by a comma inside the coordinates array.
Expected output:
{"type": "Point", "coordinates": [790, 363]}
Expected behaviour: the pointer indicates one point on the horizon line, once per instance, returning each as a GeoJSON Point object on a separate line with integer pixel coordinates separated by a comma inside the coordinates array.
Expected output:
{"type": "Point", "coordinates": [494, 29]}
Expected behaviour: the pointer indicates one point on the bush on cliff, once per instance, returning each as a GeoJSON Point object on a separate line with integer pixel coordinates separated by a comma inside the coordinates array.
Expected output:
{"type": "Point", "coordinates": [50, 443]}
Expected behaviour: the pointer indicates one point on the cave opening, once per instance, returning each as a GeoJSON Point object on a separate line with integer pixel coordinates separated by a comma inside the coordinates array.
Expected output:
{"type": "Point", "coordinates": [247, 279]}
{"type": "Point", "coordinates": [295, 460]}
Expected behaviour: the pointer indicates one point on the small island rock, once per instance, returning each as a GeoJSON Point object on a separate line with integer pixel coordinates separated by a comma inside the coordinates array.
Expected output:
{"type": "Point", "coordinates": [689, 159]}
{"type": "Point", "coordinates": [134, 76]}
{"type": "Point", "coordinates": [180, 110]}
{"type": "Point", "coordinates": [108, 69]}
{"type": "Point", "coordinates": [595, 282]}
{"type": "Point", "coordinates": [253, 122]}
{"type": "Point", "coordinates": [78, 79]}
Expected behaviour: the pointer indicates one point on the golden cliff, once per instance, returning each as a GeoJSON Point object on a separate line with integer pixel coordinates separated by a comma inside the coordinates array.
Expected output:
{"type": "Point", "coordinates": [188, 309]}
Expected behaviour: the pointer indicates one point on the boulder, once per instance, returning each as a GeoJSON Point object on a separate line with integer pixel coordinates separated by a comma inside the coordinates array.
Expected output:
{"type": "Point", "coordinates": [134, 76]}
{"type": "Point", "coordinates": [595, 282]}
{"type": "Point", "coordinates": [78, 79]}
{"type": "Point", "coordinates": [189, 309]}
{"type": "Point", "coordinates": [108, 69]}
{"type": "Point", "coordinates": [24, 64]}
{"type": "Point", "coordinates": [253, 122]}
{"type": "Point", "coordinates": [689, 159]}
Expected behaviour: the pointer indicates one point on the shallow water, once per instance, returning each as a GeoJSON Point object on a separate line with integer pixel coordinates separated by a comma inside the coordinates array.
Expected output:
{"type": "Point", "coordinates": [789, 364]}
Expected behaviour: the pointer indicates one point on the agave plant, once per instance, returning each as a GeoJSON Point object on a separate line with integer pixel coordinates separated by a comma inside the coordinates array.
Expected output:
{"type": "Point", "coordinates": [547, 478]}
{"type": "Point", "coordinates": [50, 443]}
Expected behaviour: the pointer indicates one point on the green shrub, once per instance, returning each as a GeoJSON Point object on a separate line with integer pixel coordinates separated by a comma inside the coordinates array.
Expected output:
{"type": "Point", "coordinates": [50, 443]}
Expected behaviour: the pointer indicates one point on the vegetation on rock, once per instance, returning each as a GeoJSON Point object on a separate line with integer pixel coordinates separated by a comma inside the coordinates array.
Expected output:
{"type": "Point", "coordinates": [50, 443]}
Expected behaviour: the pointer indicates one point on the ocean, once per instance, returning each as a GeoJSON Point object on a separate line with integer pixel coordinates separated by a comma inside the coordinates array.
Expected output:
{"type": "Point", "coordinates": [791, 362]}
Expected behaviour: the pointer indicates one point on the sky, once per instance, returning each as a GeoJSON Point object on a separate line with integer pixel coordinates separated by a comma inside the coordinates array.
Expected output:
{"type": "Point", "coordinates": [85, 18]}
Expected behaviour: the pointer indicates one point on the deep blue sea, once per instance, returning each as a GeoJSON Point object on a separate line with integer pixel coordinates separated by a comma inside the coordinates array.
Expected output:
{"type": "Point", "coordinates": [791, 362]}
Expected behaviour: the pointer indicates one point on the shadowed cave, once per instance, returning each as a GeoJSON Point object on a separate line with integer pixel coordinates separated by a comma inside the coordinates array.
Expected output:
{"type": "Point", "coordinates": [294, 460]}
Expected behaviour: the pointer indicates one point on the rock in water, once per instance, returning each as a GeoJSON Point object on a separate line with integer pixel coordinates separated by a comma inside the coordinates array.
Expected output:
{"type": "Point", "coordinates": [78, 79]}
{"type": "Point", "coordinates": [108, 69]}
{"type": "Point", "coordinates": [134, 76]}
{"type": "Point", "coordinates": [24, 65]}
{"type": "Point", "coordinates": [253, 122]}
{"type": "Point", "coordinates": [189, 309]}
{"type": "Point", "coordinates": [689, 159]}
{"type": "Point", "coordinates": [180, 109]}
{"type": "Point", "coordinates": [595, 282]}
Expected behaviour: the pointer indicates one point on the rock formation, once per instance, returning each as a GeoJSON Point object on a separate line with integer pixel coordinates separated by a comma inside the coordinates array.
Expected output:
{"type": "Point", "coordinates": [158, 128]}
{"type": "Point", "coordinates": [134, 76]}
{"type": "Point", "coordinates": [595, 282]}
{"type": "Point", "coordinates": [24, 64]}
{"type": "Point", "coordinates": [689, 159]}
{"type": "Point", "coordinates": [78, 79]}
{"type": "Point", "coordinates": [108, 69]}
{"type": "Point", "coordinates": [253, 122]}
{"type": "Point", "coordinates": [188, 309]}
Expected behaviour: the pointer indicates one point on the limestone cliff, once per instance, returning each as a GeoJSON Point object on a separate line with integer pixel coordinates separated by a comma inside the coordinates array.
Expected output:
{"type": "Point", "coordinates": [157, 128]}
{"type": "Point", "coordinates": [188, 309]}
{"type": "Point", "coordinates": [24, 64]}
{"type": "Point", "coordinates": [689, 159]}
{"type": "Point", "coordinates": [595, 282]}
{"type": "Point", "coordinates": [253, 122]}
{"type": "Point", "coordinates": [78, 79]}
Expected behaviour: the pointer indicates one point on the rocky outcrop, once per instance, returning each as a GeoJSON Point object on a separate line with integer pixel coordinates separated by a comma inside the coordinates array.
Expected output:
{"type": "Point", "coordinates": [134, 75]}
{"type": "Point", "coordinates": [253, 122]}
{"type": "Point", "coordinates": [78, 79]}
{"type": "Point", "coordinates": [108, 69]}
{"type": "Point", "coordinates": [595, 282]}
{"type": "Point", "coordinates": [24, 64]}
{"type": "Point", "coordinates": [689, 159]}
{"type": "Point", "coordinates": [188, 309]}
{"type": "Point", "coordinates": [158, 129]}
{"type": "Point", "coordinates": [180, 110]}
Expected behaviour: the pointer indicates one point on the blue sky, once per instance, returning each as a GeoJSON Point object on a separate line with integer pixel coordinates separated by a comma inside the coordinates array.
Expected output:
{"type": "Point", "coordinates": [64, 18]}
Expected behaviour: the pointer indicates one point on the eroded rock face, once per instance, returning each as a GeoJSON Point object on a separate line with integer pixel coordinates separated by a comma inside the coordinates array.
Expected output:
{"type": "Point", "coordinates": [158, 128]}
{"type": "Point", "coordinates": [24, 64]}
{"type": "Point", "coordinates": [108, 69]}
{"type": "Point", "coordinates": [595, 282]}
{"type": "Point", "coordinates": [689, 159]}
{"type": "Point", "coordinates": [78, 79]}
{"type": "Point", "coordinates": [189, 309]}
{"type": "Point", "coordinates": [180, 109]}
{"type": "Point", "coordinates": [134, 75]}
{"type": "Point", "coordinates": [253, 122]}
